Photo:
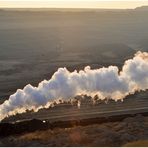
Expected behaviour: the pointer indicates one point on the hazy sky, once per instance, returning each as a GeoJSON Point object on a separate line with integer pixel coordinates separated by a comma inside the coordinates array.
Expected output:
{"type": "Point", "coordinates": [73, 3]}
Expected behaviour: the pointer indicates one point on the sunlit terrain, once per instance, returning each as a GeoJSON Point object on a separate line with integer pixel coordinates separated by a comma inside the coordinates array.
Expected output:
{"type": "Point", "coordinates": [111, 94]}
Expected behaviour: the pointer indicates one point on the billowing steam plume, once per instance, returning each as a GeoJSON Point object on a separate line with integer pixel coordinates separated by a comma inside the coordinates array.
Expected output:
{"type": "Point", "coordinates": [105, 82]}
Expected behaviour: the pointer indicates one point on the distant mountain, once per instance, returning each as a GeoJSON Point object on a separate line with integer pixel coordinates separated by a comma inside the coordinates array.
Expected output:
{"type": "Point", "coordinates": [62, 9]}
{"type": "Point", "coordinates": [142, 8]}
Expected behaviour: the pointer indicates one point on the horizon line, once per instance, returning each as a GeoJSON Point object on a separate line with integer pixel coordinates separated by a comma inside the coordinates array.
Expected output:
{"type": "Point", "coordinates": [107, 8]}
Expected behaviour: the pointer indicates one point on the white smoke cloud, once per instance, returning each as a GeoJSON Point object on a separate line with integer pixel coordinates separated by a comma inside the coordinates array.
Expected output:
{"type": "Point", "coordinates": [105, 82]}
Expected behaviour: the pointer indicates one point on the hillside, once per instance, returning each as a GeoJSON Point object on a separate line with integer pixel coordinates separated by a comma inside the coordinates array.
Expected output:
{"type": "Point", "coordinates": [142, 8]}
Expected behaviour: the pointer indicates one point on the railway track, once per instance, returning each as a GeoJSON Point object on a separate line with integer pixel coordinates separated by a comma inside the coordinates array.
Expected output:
{"type": "Point", "coordinates": [69, 112]}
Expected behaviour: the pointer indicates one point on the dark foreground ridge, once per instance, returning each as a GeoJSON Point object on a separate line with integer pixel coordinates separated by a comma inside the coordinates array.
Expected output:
{"type": "Point", "coordinates": [7, 129]}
